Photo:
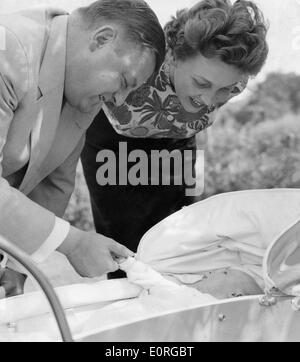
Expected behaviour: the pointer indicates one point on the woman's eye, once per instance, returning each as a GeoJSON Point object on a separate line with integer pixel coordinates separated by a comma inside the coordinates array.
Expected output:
{"type": "Point", "coordinates": [201, 85]}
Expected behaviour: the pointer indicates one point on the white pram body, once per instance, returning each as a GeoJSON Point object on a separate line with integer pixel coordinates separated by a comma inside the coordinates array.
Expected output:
{"type": "Point", "coordinates": [239, 230]}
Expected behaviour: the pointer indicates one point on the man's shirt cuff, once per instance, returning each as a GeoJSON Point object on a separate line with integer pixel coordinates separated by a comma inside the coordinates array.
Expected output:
{"type": "Point", "coordinates": [54, 240]}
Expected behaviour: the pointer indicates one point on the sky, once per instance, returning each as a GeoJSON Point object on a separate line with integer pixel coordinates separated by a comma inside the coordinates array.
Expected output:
{"type": "Point", "coordinates": [282, 15]}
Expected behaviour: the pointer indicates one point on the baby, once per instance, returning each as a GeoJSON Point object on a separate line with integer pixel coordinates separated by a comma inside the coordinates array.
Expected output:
{"type": "Point", "coordinates": [221, 284]}
{"type": "Point", "coordinates": [226, 283]}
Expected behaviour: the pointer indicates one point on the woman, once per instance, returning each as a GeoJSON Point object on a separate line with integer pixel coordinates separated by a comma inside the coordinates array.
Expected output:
{"type": "Point", "coordinates": [212, 49]}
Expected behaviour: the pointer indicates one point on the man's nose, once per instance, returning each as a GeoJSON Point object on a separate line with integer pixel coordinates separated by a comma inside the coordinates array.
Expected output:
{"type": "Point", "coordinates": [120, 98]}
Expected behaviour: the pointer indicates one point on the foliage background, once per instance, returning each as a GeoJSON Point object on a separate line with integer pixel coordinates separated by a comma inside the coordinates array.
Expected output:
{"type": "Point", "coordinates": [254, 144]}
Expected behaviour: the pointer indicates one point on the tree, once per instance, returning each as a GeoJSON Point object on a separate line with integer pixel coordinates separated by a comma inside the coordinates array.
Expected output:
{"type": "Point", "coordinates": [273, 98]}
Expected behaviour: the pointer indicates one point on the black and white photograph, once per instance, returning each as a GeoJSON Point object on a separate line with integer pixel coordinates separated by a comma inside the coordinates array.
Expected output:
{"type": "Point", "coordinates": [149, 173]}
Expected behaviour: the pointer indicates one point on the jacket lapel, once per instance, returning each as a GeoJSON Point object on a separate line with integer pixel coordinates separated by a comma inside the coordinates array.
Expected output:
{"type": "Point", "coordinates": [48, 107]}
{"type": "Point", "coordinates": [72, 126]}
{"type": "Point", "coordinates": [58, 128]}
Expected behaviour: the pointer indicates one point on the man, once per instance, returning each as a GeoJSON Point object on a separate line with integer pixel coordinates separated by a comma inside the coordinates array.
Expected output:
{"type": "Point", "coordinates": [56, 70]}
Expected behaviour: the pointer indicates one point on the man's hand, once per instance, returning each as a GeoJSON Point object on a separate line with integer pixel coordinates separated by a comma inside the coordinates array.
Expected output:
{"type": "Point", "coordinates": [91, 254]}
{"type": "Point", "coordinates": [11, 282]}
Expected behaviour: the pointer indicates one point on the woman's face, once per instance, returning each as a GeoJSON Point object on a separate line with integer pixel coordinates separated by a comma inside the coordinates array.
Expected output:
{"type": "Point", "coordinates": [201, 81]}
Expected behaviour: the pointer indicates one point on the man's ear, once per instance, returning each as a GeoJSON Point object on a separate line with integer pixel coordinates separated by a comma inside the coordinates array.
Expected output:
{"type": "Point", "coordinates": [101, 37]}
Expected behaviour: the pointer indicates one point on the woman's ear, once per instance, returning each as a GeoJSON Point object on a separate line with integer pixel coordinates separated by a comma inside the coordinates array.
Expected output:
{"type": "Point", "coordinates": [101, 37]}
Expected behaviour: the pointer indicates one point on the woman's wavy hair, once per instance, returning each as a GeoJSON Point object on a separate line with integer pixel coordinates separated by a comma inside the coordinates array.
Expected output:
{"type": "Point", "coordinates": [234, 33]}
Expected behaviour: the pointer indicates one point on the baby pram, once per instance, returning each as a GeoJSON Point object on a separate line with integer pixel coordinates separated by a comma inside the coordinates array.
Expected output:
{"type": "Point", "coordinates": [257, 232]}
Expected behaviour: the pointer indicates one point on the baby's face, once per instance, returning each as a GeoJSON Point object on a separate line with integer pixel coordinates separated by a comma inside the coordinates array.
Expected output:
{"type": "Point", "coordinates": [226, 283]}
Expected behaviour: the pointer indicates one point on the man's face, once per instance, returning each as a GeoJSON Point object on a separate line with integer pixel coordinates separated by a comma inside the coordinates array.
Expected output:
{"type": "Point", "coordinates": [109, 69]}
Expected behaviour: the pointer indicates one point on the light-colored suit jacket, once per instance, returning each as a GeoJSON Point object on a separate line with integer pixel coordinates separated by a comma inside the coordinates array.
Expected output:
{"type": "Point", "coordinates": [41, 135]}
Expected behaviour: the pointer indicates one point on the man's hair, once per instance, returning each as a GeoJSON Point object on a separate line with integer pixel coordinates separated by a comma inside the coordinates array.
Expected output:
{"type": "Point", "coordinates": [135, 16]}
{"type": "Point", "coordinates": [234, 33]}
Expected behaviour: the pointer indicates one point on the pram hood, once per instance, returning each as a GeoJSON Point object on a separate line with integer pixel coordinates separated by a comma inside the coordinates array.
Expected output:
{"type": "Point", "coordinates": [281, 267]}
{"type": "Point", "coordinates": [232, 230]}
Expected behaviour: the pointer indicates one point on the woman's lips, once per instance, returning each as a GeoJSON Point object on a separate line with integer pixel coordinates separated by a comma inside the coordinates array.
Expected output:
{"type": "Point", "coordinates": [197, 103]}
